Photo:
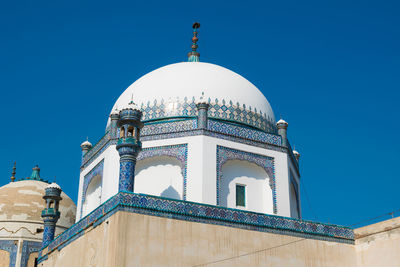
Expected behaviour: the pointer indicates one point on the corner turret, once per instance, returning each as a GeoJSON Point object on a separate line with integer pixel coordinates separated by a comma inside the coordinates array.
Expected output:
{"type": "Point", "coordinates": [128, 144]}
{"type": "Point", "coordinates": [51, 214]}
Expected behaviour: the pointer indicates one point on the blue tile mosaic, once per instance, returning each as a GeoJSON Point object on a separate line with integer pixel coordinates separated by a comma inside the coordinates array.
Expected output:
{"type": "Point", "coordinates": [126, 175]}
{"type": "Point", "coordinates": [244, 132]}
{"type": "Point", "coordinates": [168, 127]}
{"type": "Point", "coordinates": [29, 247]}
{"type": "Point", "coordinates": [96, 150]}
{"type": "Point", "coordinates": [219, 109]}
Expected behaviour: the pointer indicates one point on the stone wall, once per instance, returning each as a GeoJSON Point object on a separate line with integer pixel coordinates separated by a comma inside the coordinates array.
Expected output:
{"type": "Point", "coordinates": [378, 244]}
{"type": "Point", "coordinates": [131, 239]}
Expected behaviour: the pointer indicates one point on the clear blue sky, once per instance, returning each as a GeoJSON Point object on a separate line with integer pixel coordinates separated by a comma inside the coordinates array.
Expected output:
{"type": "Point", "coordinates": [331, 69]}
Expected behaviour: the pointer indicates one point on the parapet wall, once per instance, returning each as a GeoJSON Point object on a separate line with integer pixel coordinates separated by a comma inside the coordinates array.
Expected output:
{"type": "Point", "coordinates": [138, 230]}
{"type": "Point", "coordinates": [378, 244]}
{"type": "Point", "coordinates": [132, 239]}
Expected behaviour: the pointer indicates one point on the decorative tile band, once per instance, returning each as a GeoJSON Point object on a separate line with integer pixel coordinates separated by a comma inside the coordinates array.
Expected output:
{"type": "Point", "coordinates": [225, 154]}
{"type": "Point", "coordinates": [11, 246]}
{"type": "Point", "coordinates": [97, 170]}
{"type": "Point", "coordinates": [168, 127]}
{"type": "Point", "coordinates": [202, 213]}
{"type": "Point", "coordinates": [29, 247]}
{"type": "Point", "coordinates": [183, 128]}
{"type": "Point", "coordinates": [177, 151]}
{"type": "Point", "coordinates": [244, 132]}
{"type": "Point", "coordinates": [219, 109]}
{"type": "Point", "coordinates": [96, 150]}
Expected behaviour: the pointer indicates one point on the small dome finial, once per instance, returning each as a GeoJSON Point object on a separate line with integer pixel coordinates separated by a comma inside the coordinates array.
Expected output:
{"type": "Point", "coordinates": [194, 56]}
{"type": "Point", "coordinates": [35, 173]}
{"type": "Point", "coordinates": [13, 171]}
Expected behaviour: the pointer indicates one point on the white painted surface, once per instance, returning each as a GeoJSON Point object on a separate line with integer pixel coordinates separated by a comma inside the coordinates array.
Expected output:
{"type": "Point", "coordinates": [201, 173]}
{"type": "Point", "coordinates": [258, 193]}
{"type": "Point", "coordinates": [159, 176]}
{"type": "Point", "coordinates": [175, 81]}
{"type": "Point", "coordinates": [93, 195]}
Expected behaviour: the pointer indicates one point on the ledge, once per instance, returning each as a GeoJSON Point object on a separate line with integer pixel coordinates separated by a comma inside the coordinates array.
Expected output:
{"type": "Point", "coordinates": [201, 213]}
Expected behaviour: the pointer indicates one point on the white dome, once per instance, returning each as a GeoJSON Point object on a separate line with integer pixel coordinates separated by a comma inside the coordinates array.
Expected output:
{"type": "Point", "coordinates": [86, 143]}
{"type": "Point", "coordinates": [190, 79]}
{"type": "Point", "coordinates": [53, 185]}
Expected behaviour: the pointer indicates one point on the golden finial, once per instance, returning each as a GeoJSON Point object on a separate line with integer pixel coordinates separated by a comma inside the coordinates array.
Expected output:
{"type": "Point", "coordinates": [194, 56]}
{"type": "Point", "coordinates": [13, 172]}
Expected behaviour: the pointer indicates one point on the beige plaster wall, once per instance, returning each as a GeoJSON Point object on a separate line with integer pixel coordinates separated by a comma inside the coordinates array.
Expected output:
{"type": "Point", "coordinates": [4, 258]}
{"type": "Point", "coordinates": [379, 244]}
{"type": "Point", "coordinates": [31, 259]}
{"type": "Point", "coordinates": [128, 239]}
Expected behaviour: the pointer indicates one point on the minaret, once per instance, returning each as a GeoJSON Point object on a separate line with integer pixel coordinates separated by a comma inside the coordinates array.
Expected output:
{"type": "Point", "coordinates": [85, 146]}
{"type": "Point", "coordinates": [282, 131]}
{"type": "Point", "coordinates": [13, 172]}
{"type": "Point", "coordinates": [202, 117]}
{"type": "Point", "coordinates": [51, 214]}
{"type": "Point", "coordinates": [194, 56]}
{"type": "Point", "coordinates": [114, 116]}
{"type": "Point", "coordinates": [128, 145]}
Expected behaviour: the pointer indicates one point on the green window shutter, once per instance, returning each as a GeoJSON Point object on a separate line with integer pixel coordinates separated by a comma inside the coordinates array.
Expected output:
{"type": "Point", "coordinates": [240, 195]}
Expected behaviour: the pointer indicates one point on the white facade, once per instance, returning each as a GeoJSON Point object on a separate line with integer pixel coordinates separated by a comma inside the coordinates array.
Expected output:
{"type": "Point", "coordinates": [161, 175]}
{"type": "Point", "coordinates": [266, 169]}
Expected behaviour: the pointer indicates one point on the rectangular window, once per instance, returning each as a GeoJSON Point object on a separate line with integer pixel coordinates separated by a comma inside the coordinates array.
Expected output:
{"type": "Point", "coordinates": [240, 195]}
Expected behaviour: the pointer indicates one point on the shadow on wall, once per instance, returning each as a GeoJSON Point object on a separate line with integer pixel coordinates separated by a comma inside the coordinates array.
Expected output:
{"type": "Point", "coordinates": [258, 193]}
{"type": "Point", "coordinates": [159, 176]}
{"type": "Point", "coordinates": [170, 192]}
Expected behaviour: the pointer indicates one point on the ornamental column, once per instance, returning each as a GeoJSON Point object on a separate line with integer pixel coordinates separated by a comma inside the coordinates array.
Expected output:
{"type": "Point", "coordinates": [128, 145]}
{"type": "Point", "coordinates": [85, 146]}
{"type": "Point", "coordinates": [282, 131]}
{"type": "Point", "coordinates": [51, 214]}
{"type": "Point", "coordinates": [202, 117]}
{"type": "Point", "coordinates": [114, 116]}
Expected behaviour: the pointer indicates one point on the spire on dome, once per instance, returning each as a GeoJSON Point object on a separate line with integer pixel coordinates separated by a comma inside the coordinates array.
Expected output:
{"type": "Point", "coordinates": [13, 172]}
{"type": "Point", "coordinates": [194, 56]}
{"type": "Point", "coordinates": [35, 173]}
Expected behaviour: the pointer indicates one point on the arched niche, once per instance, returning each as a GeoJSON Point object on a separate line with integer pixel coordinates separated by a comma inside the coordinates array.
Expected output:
{"type": "Point", "coordinates": [254, 179]}
{"type": "Point", "coordinates": [92, 187]}
{"type": "Point", "coordinates": [159, 176]}
{"type": "Point", "coordinates": [154, 159]}
{"type": "Point", "coordinates": [93, 195]}
{"type": "Point", "coordinates": [225, 154]}
{"type": "Point", "coordinates": [294, 199]}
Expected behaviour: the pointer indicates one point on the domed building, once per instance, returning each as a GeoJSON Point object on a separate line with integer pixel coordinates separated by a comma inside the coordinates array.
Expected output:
{"type": "Point", "coordinates": [194, 170]}
{"type": "Point", "coordinates": [209, 136]}
{"type": "Point", "coordinates": [21, 224]}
